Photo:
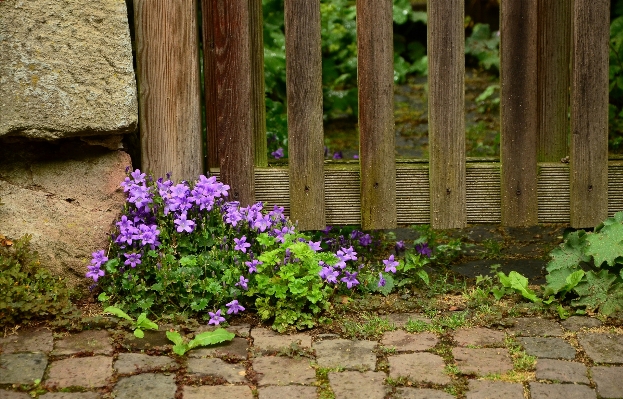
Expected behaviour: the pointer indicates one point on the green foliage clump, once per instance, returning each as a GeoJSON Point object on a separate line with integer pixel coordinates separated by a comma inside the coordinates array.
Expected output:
{"type": "Point", "coordinates": [483, 46]}
{"type": "Point", "coordinates": [27, 292]}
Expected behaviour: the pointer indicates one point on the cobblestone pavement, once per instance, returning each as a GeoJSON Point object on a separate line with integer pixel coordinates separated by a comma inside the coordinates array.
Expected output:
{"type": "Point", "coordinates": [575, 359]}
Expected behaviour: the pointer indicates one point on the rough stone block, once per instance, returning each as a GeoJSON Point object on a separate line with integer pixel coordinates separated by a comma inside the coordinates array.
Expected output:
{"type": "Point", "coordinates": [219, 391]}
{"type": "Point", "coordinates": [420, 393]}
{"type": "Point", "coordinates": [539, 390]}
{"type": "Point", "coordinates": [269, 341]}
{"type": "Point", "coordinates": [603, 348]}
{"type": "Point", "coordinates": [403, 341]}
{"type": "Point", "coordinates": [355, 385]}
{"type": "Point", "coordinates": [66, 69]}
{"type": "Point", "coordinates": [536, 327]}
{"type": "Point", "coordinates": [71, 395]}
{"type": "Point", "coordinates": [560, 370]}
{"type": "Point", "coordinates": [13, 395]}
{"type": "Point", "coordinates": [347, 354]}
{"type": "Point", "coordinates": [419, 367]}
{"type": "Point", "coordinates": [479, 389]}
{"type": "Point", "coordinates": [609, 381]}
{"type": "Point", "coordinates": [146, 386]}
{"type": "Point", "coordinates": [128, 363]}
{"type": "Point", "coordinates": [28, 341]}
{"type": "Point", "coordinates": [482, 361]}
{"type": "Point", "coordinates": [85, 372]}
{"type": "Point", "coordinates": [551, 348]}
{"type": "Point", "coordinates": [479, 337]}
{"type": "Point", "coordinates": [290, 392]}
{"type": "Point", "coordinates": [576, 323]}
{"type": "Point", "coordinates": [218, 368]}
{"type": "Point", "coordinates": [279, 370]}
{"type": "Point", "coordinates": [97, 342]}
{"type": "Point", "coordinates": [236, 349]}
{"type": "Point", "coordinates": [22, 368]}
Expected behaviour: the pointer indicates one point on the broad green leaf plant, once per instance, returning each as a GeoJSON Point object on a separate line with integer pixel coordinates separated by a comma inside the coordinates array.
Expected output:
{"type": "Point", "coordinates": [138, 325]}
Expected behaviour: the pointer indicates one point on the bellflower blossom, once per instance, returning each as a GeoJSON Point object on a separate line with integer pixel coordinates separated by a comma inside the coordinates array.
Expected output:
{"type": "Point", "coordinates": [241, 244]}
{"type": "Point", "coordinates": [382, 281]}
{"type": "Point", "coordinates": [216, 318]}
{"type": "Point", "coordinates": [365, 240]}
{"type": "Point", "coordinates": [184, 224]}
{"type": "Point", "coordinates": [350, 279]}
{"type": "Point", "coordinates": [242, 282]}
{"type": "Point", "coordinates": [347, 254]}
{"type": "Point", "coordinates": [252, 265]}
{"type": "Point", "coordinates": [423, 249]}
{"type": "Point", "coordinates": [329, 274]}
{"type": "Point", "coordinates": [132, 259]}
{"type": "Point", "coordinates": [234, 307]}
{"type": "Point", "coordinates": [390, 264]}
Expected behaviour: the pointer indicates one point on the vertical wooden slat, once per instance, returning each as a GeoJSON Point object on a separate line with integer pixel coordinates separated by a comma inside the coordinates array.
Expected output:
{"type": "Point", "coordinates": [258, 103]}
{"type": "Point", "coordinates": [232, 73]}
{"type": "Point", "coordinates": [554, 78]}
{"type": "Point", "coordinates": [375, 76]}
{"type": "Point", "coordinates": [589, 113]}
{"type": "Point", "coordinates": [305, 125]}
{"type": "Point", "coordinates": [169, 91]}
{"type": "Point", "coordinates": [446, 113]}
{"type": "Point", "coordinates": [518, 112]}
{"type": "Point", "coordinates": [209, 83]}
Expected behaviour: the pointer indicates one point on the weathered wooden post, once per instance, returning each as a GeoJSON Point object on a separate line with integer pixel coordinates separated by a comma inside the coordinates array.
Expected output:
{"type": "Point", "coordinates": [169, 91]}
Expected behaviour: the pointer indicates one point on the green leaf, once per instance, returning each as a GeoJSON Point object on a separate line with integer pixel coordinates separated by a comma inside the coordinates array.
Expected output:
{"type": "Point", "coordinates": [607, 245]}
{"type": "Point", "coordinates": [424, 276]}
{"type": "Point", "coordinates": [570, 253]}
{"type": "Point", "coordinates": [520, 284]}
{"type": "Point", "coordinates": [111, 266]}
{"type": "Point", "coordinates": [117, 312]}
{"type": "Point", "coordinates": [103, 297]}
{"type": "Point", "coordinates": [388, 287]}
{"type": "Point", "coordinates": [600, 292]}
{"type": "Point", "coordinates": [144, 322]}
{"type": "Point", "coordinates": [211, 337]}
{"type": "Point", "coordinates": [498, 292]}
{"type": "Point", "coordinates": [138, 333]}
{"type": "Point", "coordinates": [562, 312]}
{"type": "Point", "coordinates": [175, 337]}
{"type": "Point", "coordinates": [180, 349]}
{"type": "Point", "coordinates": [266, 240]}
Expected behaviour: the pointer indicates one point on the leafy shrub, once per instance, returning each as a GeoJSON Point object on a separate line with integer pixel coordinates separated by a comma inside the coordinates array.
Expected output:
{"type": "Point", "coordinates": [483, 46]}
{"type": "Point", "coordinates": [27, 292]}
{"type": "Point", "coordinates": [181, 248]}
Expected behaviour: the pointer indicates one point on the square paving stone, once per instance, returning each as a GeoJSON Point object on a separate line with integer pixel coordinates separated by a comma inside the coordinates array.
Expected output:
{"type": "Point", "coordinates": [609, 381]}
{"type": "Point", "coordinates": [71, 395]}
{"type": "Point", "coordinates": [480, 389]}
{"type": "Point", "coordinates": [152, 340]}
{"type": "Point", "coordinates": [403, 341]}
{"type": "Point", "coordinates": [22, 368]}
{"type": "Point", "coordinates": [560, 370]}
{"type": "Point", "coordinates": [420, 393]}
{"type": "Point", "coordinates": [218, 392]}
{"type": "Point", "coordinates": [97, 342]}
{"type": "Point", "coordinates": [216, 367]}
{"type": "Point", "coordinates": [549, 348]}
{"type": "Point", "coordinates": [536, 327]}
{"type": "Point", "coordinates": [267, 340]}
{"type": "Point", "coordinates": [146, 386]}
{"type": "Point", "coordinates": [28, 341]}
{"type": "Point", "coordinates": [128, 363]}
{"type": "Point", "coordinates": [236, 349]}
{"type": "Point", "coordinates": [86, 372]}
{"type": "Point", "coordinates": [603, 347]}
{"type": "Point", "coordinates": [279, 370]}
{"type": "Point", "coordinates": [290, 392]}
{"type": "Point", "coordinates": [540, 390]}
{"type": "Point", "coordinates": [241, 330]}
{"type": "Point", "coordinates": [482, 361]}
{"type": "Point", "coordinates": [13, 395]}
{"type": "Point", "coordinates": [576, 323]}
{"type": "Point", "coordinates": [356, 385]}
{"type": "Point", "coordinates": [418, 367]}
{"type": "Point", "coordinates": [479, 337]}
{"type": "Point", "coordinates": [345, 353]}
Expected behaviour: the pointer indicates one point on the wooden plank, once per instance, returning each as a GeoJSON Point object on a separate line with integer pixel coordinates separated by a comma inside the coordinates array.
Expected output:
{"type": "Point", "coordinates": [258, 103]}
{"type": "Point", "coordinates": [305, 125]}
{"type": "Point", "coordinates": [232, 72]}
{"type": "Point", "coordinates": [375, 75]}
{"type": "Point", "coordinates": [209, 84]}
{"type": "Point", "coordinates": [169, 91]}
{"type": "Point", "coordinates": [518, 112]}
{"type": "Point", "coordinates": [589, 113]}
{"type": "Point", "coordinates": [554, 78]}
{"type": "Point", "coordinates": [446, 113]}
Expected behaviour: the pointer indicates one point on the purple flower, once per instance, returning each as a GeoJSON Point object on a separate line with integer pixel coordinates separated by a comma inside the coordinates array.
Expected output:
{"type": "Point", "coordinates": [184, 224]}
{"type": "Point", "coordinates": [252, 265]}
{"type": "Point", "coordinates": [262, 222]}
{"type": "Point", "coordinates": [277, 154]}
{"type": "Point", "coordinates": [132, 259]}
{"type": "Point", "coordinates": [216, 318]}
{"type": "Point", "coordinates": [314, 246]}
{"type": "Point", "coordinates": [234, 307]}
{"type": "Point", "coordinates": [94, 272]}
{"type": "Point", "coordinates": [327, 229]}
{"type": "Point", "coordinates": [329, 275]}
{"type": "Point", "coordinates": [390, 264]}
{"type": "Point", "coordinates": [148, 235]}
{"type": "Point", "coordinates": [280, 233]}
{"type": "Point", "coordinates": [98, 258]}
{"type": "Point", "coordinates": [423, 249]}
{"type": "Point", "coordinates": [355, 235]}
{"type": "Point", "coordinates": [365, 240]}
{"type": "Point", "coordinates": [350, 279]}
{"type": "Point", "coordinates": [241, 244]}
{"type": "Point", "coordinates": [347, 254]}
{"type": "Point", "coordinates": [338, 155]}
{"type": "Point", "coordinates": [138, 176]}
{"type": "Point", "coordinates": [400, 246]}
{"type": "Point", "coordinates": [276, 213]}
{"type": "Point", "coordinates": [356, 156]}
{"type": "Point", "coordinates": [242, 283]}
{"type": "Point", "coordinates": [382, 281]}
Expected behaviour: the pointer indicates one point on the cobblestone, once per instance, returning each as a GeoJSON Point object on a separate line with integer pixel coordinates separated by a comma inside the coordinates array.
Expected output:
{"type": "Point", "coordinates": [96, 342]}
{"type": "Point", "coordinates": [290, 392]}
{"type": "Point", "coordinates": [550, 348]}
{"type": "Point", "coordinates": [22, 368]}
{"type": "Point", "coordinates": [268, 340]}
{"type": "Point", "coordinates": [146, 386]}
{"type": "Point", "coordinates": [560, 370]}
{"type": "Point", "coordinates": [536, 327]}
{"type": "Point", "coordinates": [236, 349]}
{"type": "Point", "coordinates": [28, 341]}
{"type": "Point", "coordinates": [353, 384]}
{"type": "Point", "coordinates": [71, 395]}
{"type": "Point", "coordinates": [218, 391]}
{"type": "Point", "coordinates": [345, 353]}
{"type": "Point", "coordinates": [420, 393]}
{"type": "Point", "coordinates": [276, 370]}
{"type": "Point", "coordinates": [480, 389]}
{"type": "Point", "coordinates": [479, 337]}
{"type": "Point", "coordinates": [231, 373]}
{"type": "Point", "coordinates": [576, 323]}
{"type": "Point", "coordinates": [13, 395]}
{"type": "Point", "coordinates": [540, 390]}
{"type": "Point", "coordinates": [482, 361]}
{"type": "Point", "coordinates": [86, 372]}
{"type": "Point", "coordinates": [419, 367]}
{"type": "Point", "coordinates": [603, 348]}
{"type": "Point", "coordinates": [609, 381]}
{"type": "Point", "coordinates": [128, 363]}
{"type": "Point", "coordinates": [403, 341]}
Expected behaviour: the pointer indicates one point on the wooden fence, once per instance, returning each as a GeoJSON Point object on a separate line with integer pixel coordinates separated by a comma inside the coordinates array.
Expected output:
{"type": "Point", "coordinates": [554, 62]}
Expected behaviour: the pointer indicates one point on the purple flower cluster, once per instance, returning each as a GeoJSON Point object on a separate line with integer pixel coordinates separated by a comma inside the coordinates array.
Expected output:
{"type": "Point", "coordinates": [331, 273]}
{"type": "Point", "coordinates": [94, 270]}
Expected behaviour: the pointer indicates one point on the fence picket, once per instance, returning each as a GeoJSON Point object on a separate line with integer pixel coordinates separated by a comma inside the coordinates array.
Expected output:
{"type": "Point", "coordinates": [519, 112]}
{"type": "Point", "coordinates": [446, 113]}
{"type": "Point", "coordinates": [258, 102]}
{"type": "Point", "coordinates": [589, 113]}
{"type": "Point", "coordinates": [232, 102]}
{"type": "Point", "coordinates": [169, 91]}
{"type": "Point", "coordinates": [375, 75]}
{"type": "Point", "coordinates": [305, 124]}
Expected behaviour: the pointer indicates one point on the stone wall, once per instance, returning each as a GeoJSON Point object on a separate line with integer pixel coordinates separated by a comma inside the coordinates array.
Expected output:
{"type": "Point", "coordinates": [67, 97]}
